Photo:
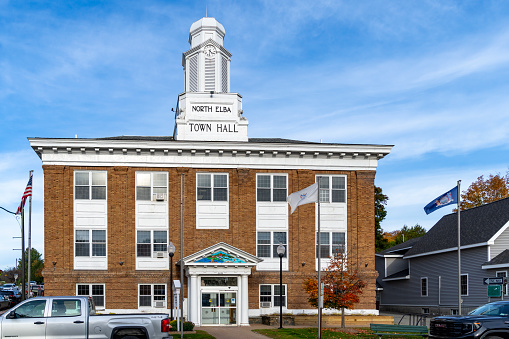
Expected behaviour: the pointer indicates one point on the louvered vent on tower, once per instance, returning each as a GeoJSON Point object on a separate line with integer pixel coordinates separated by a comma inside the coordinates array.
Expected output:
{"type": "Point", "coordinates": [193, 74]}
{"type": "Point", "coordinates": [224, 75]}
{"type": "Point", "coordinates": [210, 74]}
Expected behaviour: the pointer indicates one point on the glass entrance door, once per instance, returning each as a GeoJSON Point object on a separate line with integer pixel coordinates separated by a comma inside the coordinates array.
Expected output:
{"type": "Point", "coordinates": [218, 308]}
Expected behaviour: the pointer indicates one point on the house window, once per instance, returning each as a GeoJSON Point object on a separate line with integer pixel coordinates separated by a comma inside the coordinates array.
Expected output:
{"type": "Point", "coordinates": [96, 291]}
{"type": "Point", "coordinates": [332, 189]}
{"type": "Point", "coordinates": [454, 311]}
{"type": "Point", "coordinates": [90, 185]}
{"type": "Point", "coordinates": [464, 284]}
{"type": "Point", "coordinates": [503, 274]}
{"type": "Point", "coordinates": [268, 240]}
{"type": "Point", "coordinates": [330, 244]}
{"type": "Point", "coordinates": [271, 187]}
{"type": "Point", "coordinates": [212, 187]}
{"type": "Point", "coordinates": [151, 186]}
{"type": "Point", "coordinates": [425, 310]}
{"type": "Point", "coordinates": [90, 243]}
{"type": "Point", "coordinates": [269, 296]}
{"type": "Point", "coordinates": [424, 287]}
{"type": "Point", "coordinates": [152, 295]}
{"type": "Point", "coordinates": [149, 242]}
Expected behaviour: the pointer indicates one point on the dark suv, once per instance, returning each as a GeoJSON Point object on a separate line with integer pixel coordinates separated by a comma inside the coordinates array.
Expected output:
{"type": "Point", "coordinates": [11, 295]}
{"type": "Point", "coordinates": [488, 321]}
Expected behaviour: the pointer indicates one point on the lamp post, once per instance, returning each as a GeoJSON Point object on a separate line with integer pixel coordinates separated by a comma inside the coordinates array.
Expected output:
{"type": "Point", "coordinates": [281, 253]}
{"type": "Point", "coordinates": [171, 252]}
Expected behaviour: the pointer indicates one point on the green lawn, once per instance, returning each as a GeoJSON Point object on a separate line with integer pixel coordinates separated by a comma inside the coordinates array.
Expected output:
{"type": "Point", "coordinates": [310, 333]}
{"type": "Point", "coordinates": [197, 335]}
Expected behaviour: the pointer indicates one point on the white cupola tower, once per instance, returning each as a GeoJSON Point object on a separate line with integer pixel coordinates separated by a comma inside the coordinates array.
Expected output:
{"type": "Point", "coordinates": [207, 111]}
{"type": "Point", "coordinates": [207, 63]}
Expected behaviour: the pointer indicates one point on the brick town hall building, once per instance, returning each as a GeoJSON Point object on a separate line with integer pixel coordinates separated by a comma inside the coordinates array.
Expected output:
{"type": "Point", "coordinates": [112, 206]}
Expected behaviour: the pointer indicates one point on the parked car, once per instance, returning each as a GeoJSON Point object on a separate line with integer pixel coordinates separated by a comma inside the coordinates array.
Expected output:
{"type": "Point", "coordinates": [488, 321]}
{"type": "Point", "coordinates": [74, 317]}
{"type": "Point", "coordinates": [11, 297]}
{"type": "Point", "coordinates": [4, 302]}
{"type": "Point", "coordinates": [9, 286]}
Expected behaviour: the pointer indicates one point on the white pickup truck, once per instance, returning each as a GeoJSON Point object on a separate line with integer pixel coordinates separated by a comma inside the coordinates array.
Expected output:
{"type": "Point", "coordinates": [74, 317]}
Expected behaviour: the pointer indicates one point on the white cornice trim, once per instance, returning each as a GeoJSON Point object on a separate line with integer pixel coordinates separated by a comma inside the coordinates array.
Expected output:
{"type": "Point", "coordinates": [154, 153]}
{"type": "Point", "coordinates": [488, 267]}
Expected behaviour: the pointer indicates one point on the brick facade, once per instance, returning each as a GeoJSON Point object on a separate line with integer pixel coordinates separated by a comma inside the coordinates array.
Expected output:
{"type": "Point", "coordinates": [121, 282]}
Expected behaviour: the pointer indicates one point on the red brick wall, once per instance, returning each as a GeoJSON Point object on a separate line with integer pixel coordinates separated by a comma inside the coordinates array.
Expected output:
{"type": "Point", "coordinates": [121, 284]}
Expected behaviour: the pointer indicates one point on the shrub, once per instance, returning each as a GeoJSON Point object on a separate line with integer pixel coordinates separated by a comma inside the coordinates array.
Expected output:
{"type": "Point", "coordinates": [188, 326]}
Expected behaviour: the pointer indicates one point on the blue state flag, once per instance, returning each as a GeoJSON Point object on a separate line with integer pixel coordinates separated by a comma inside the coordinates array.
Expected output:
{"type": "Point", "coordinates": [445, 199]}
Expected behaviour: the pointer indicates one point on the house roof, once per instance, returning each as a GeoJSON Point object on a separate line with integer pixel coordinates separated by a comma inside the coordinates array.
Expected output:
{"type": "Point", "coordinates": [501, 259]}
{"type": "Point", "coordinates": [400, 248]}
{"type": "Point", "coordinates": [478, 226]}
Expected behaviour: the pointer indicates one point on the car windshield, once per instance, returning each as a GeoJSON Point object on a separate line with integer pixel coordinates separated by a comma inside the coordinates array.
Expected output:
{"type": "Point", "coordinates": [492, 309]}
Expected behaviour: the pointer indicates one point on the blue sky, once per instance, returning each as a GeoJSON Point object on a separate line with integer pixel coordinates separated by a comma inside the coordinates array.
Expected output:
{"type": "Point", "coordinates": [429, 77]}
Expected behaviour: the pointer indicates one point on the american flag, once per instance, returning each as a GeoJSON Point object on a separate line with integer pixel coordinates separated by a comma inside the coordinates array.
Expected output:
{"type": "Point", "coordinates": [26, 194]}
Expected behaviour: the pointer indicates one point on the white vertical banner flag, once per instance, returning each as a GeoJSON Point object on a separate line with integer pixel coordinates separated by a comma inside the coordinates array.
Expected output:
{"type": "Point", "coordinates": [305, 196]}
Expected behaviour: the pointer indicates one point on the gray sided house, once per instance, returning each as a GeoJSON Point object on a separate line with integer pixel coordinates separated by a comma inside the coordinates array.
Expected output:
{"type": "Point", "coordinates": [421, 274]}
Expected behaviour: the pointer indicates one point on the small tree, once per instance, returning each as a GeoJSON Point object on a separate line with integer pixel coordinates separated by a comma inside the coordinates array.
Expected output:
{"type": "Point", "coordinates": [483, 191]}
{"type": "Point", "coordinates": [342, 285]}
{"type": "Point", "coordinates": [37, 265]}
{"type": "Point", "coordinates": [380, 213]}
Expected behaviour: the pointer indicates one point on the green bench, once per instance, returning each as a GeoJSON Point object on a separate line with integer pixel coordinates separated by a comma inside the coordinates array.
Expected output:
{"type": "Point", "coordinates": [398, 330]}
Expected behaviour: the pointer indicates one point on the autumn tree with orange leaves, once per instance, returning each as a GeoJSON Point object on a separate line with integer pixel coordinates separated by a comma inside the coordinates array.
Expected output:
{"type": "Point", "coordinates": [342, 285]}
{"type": "Point", "coordinates": [483, 191]}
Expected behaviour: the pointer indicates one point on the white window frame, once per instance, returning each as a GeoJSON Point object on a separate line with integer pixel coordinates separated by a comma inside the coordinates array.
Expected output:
{"type": "Point", "coordinates": [330, 189]}
{"type": "Point", "coordinates": [272, 244]}
{"type": "Point", "coordinates": [91, 243]}
{"type": "Point", "coordinates": [90, 185]}
{"type": "Point", "coordinates": [152, 243]}
{"type": "Point", "coordinates": [504, 286]}
{"type": "Point", "coordinates": [212, 186]}
{"type": "Point", "coordinates": [464, 275]}
{"type": "Point", "coordinates": [152, 296]}
{"type": "Point", "coordinates": [425, 279]}
{"type": "Point", "coordinates": [330, 244]}
{"type": "Point", "coordinates": [153, 195]}
{"type": "Point", "coordinates": [271, 188]}
{"type": "Point", "coordinates": [273, 295]}
{"type": "Point", "coordinates": [90, 293]}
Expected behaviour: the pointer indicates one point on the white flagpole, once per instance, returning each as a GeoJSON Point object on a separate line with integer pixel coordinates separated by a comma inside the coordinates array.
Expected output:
{"type": "Point", "coordinates": [319, 269]}
{"type": "Point", "coordinates": [30, 235]}
{"type": "Point", "coordinates": [459, 250]}
{"type": "Point", "coordinates": [182, 255]}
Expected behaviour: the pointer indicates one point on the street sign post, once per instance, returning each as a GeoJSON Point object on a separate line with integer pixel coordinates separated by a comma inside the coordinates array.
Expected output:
{"type": "Point", "coordinates": [493, 281]}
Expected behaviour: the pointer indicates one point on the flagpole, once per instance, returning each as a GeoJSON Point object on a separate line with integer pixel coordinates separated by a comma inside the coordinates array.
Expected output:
{"type": "Point", "coordinates": [182, 256]}
{"type": "Point", "coordinates": [23, 253]}
{"type": "Point", "coordinates": [30, 235]}
{"type": "Point", "coordinates": [319, 269]}
{"type": "Point", "coordinates": [459, 250]}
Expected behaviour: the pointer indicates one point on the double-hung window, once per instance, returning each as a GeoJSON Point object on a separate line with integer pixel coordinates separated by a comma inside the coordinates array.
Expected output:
{"type": "Point", "coordinates": [424, 287]}
{"type": "Point", "coordinates": [332, 189]}
{"type": "Point", "coordinates": [212, 187]}
{"type": "Point", "coordinates": [152, 296]}
{"type": "Point", "coordinates": [96, 291]}
{"type": "Point", "coordinates": [90, 243]}
{"type": "Point", "coordinates": [151, 244]}
{"type": "Point", "coordinates": [464, 284]}
{"type": "Point", "coordinates": [267, 243]}
{"type": "Point", "coordinates": [90, 185]}
{"type": "Point", "coordinates": [151, 186]}
{"type": "Point", "coordinates": [331, 243]}
{"type": "Point", "coordinates": [271, 187]}
{"type": "Point", "coordinates": [270, 296]}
